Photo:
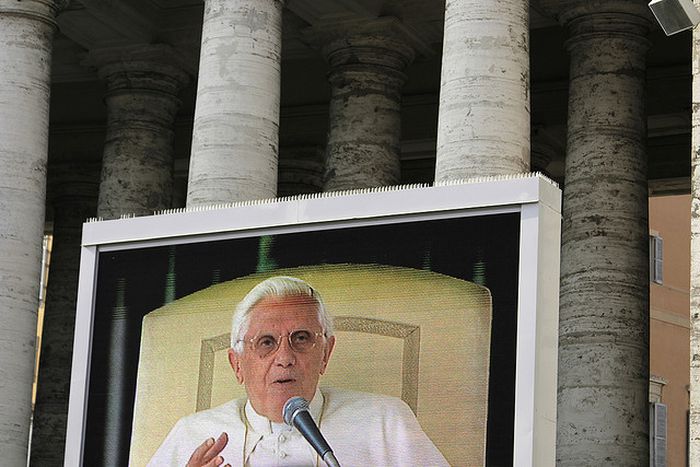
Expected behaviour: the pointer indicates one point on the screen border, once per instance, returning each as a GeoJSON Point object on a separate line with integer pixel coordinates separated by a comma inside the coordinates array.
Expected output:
{"type": "Point", "coordinates": [537, 199]}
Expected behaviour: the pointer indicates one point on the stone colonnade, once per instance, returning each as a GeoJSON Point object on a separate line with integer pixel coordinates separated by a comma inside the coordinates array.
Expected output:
{"type": "Point", "coordinates": [604, 296]}
{"type": "Point", "coordinates": [26, 33]}
{"type": "Point", "coordinates": [483, 130]}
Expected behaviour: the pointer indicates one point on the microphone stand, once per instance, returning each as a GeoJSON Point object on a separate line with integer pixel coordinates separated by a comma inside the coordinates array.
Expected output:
{"type": "Point", "coordinates": [296, 413]}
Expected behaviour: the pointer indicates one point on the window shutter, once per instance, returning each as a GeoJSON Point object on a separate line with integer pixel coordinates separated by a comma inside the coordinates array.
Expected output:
{"type": "Point", "coordinates": [658, 435]}
{"type": "Point", "coordinates": [656, 259]}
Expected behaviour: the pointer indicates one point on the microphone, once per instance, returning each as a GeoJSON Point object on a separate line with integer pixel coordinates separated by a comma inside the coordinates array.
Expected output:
{"type": "Point", "coordinates": [296, 413]}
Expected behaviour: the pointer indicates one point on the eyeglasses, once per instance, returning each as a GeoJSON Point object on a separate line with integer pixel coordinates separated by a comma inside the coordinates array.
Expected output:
{"type": "Point", "coordinates": [301, 340]}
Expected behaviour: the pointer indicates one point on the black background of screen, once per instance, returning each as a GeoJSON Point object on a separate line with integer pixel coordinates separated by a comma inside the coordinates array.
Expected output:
{"type": "Point", "coordinates": [131, 283]}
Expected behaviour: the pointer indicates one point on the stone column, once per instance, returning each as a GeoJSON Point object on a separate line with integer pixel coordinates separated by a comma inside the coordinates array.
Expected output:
{"type": "Point", "coordinates": [484, 114]}
{"type": "Point", "coordinates": [236, 122]}
{"type": "Point", "coordinates": [73, 191]}
{"type": "Point", "coordinates": [367, 61]}
{"type": "Point", "coordinates": [694, 442]}
{"type": "Point", "coordinates": [300, 170]}
{"type": "Point", "coordinates": [26, 32]}
{"type": "Point", "coordinates": [137, 165]}
{"type": "Point", "coordinates": [604, 296]}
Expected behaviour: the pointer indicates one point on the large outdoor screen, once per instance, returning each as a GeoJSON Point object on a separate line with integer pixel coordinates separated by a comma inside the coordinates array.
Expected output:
{"type": "Point", "coordinates": [444, 297]}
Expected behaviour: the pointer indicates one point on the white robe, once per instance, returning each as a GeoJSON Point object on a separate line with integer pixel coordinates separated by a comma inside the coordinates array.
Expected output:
{"type": "Point", "coordinates": [362, 429]}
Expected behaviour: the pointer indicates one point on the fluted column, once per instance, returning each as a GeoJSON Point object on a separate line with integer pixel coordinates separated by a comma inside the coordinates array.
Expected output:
{"type": "Point", "coordinates": [300, 170]}
{"type": "Point", "coordinates": [26, 32]}
{"type": "Point", "coordinates": [367, 63]}
{"type": "Point", "coordinates": [236, 122]}
{"type": "Point", "coordinates": [484, 114]}
{"type": "Point", "coordinates": [604, 297]}
{"type": "Point", "coordinates": [73, 189]}
{"type": "Point", "coordinates": [137, 164]}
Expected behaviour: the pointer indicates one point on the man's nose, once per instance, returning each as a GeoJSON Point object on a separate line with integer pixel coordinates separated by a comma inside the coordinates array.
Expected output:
{"type": "Point", "coordinates": [285, 355]}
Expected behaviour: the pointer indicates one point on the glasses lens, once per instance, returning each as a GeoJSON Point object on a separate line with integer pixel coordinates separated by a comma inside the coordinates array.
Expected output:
{"type": "Point", "coordinates": [302, 340]}
{"type": "Point", "coordinates": [265, 344]}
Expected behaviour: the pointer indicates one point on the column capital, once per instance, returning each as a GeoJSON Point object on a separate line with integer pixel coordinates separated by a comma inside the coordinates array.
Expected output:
{"type": "Point", "coordinates": [147, 66]}
{"type": "Point", "coordinates": [43, 10]}
{"type": "Point", "coordinates": [628, 25]}
{"type": "Point", "coordinates": [569, 11]}
{"type": "Point", "coordinates": [385, 41]}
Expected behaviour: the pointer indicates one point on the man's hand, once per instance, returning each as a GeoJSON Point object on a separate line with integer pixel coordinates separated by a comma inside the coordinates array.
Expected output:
{"type": "Point", "coordinates": [207, 453]}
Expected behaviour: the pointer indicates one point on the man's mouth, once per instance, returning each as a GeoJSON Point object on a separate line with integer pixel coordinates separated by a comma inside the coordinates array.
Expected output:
{"type": "Point", "coordinates": [285, 380]}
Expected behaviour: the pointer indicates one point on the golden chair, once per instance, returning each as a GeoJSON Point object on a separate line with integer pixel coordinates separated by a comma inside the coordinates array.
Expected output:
{"type": "Point", "coordinates": [413, 334]}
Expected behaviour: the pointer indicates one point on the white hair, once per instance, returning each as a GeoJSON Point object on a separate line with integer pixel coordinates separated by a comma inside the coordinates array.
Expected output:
{"type": "Point", "coordinates": [278, 286]}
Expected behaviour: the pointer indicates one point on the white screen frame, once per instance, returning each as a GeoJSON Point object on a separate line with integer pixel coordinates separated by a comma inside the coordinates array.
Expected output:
{"type": "Point", "coordinates": [536, 199]}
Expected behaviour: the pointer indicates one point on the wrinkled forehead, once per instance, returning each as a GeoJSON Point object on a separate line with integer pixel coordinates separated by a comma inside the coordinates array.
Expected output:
{"type": "Point", "coordinates": [284, 313]}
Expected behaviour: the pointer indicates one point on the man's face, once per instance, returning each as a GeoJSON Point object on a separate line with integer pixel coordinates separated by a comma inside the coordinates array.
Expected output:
{"type": "Point", "coordinates": [271, 380]}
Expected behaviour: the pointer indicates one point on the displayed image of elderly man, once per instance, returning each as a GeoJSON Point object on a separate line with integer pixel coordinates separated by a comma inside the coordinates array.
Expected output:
{"type": "Point", "coordinates": [281, 342]}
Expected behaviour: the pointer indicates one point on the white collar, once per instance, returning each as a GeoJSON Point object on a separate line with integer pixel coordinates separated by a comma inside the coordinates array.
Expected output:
{"type": "Point", "coordinates": [260, 425]}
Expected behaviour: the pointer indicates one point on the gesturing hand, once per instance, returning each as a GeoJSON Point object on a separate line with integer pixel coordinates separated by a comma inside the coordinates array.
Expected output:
{"type": "Point", "coordinates": [207, 453]}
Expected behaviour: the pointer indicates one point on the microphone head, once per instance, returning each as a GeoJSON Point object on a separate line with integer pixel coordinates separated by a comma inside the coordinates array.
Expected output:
{"type": "Point", "coordinates": [293, 406]}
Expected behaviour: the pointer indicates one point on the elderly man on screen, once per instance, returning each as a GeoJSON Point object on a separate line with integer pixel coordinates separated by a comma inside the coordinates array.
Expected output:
{"type": "Point", "coordinates": [281, 341]}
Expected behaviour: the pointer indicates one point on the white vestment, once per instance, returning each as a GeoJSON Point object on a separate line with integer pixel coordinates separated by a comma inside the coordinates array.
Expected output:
{"type": "Point", "coordinates": [362, 430]}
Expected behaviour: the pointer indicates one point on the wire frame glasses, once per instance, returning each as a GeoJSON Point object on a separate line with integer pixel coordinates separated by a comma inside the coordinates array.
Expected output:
{"type": "Point", "coordinates": [266, 343]}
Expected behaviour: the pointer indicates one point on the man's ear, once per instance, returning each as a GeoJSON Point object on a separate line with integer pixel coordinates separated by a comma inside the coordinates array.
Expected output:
{"type": "Point", "coordinates": [330, 344]}
{"type": "Point", "coordinates": [235, 362]}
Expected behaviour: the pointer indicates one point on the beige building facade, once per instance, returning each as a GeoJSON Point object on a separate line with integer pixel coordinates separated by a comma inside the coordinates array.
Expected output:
{"type": "Point", "coordinates": [669, 220]}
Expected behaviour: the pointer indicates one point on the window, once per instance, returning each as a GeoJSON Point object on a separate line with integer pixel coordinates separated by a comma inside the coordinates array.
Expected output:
{"type": "Point", "coordinates": [657, 434]}
{"type": "Point", "coordinates": [656, 258]}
